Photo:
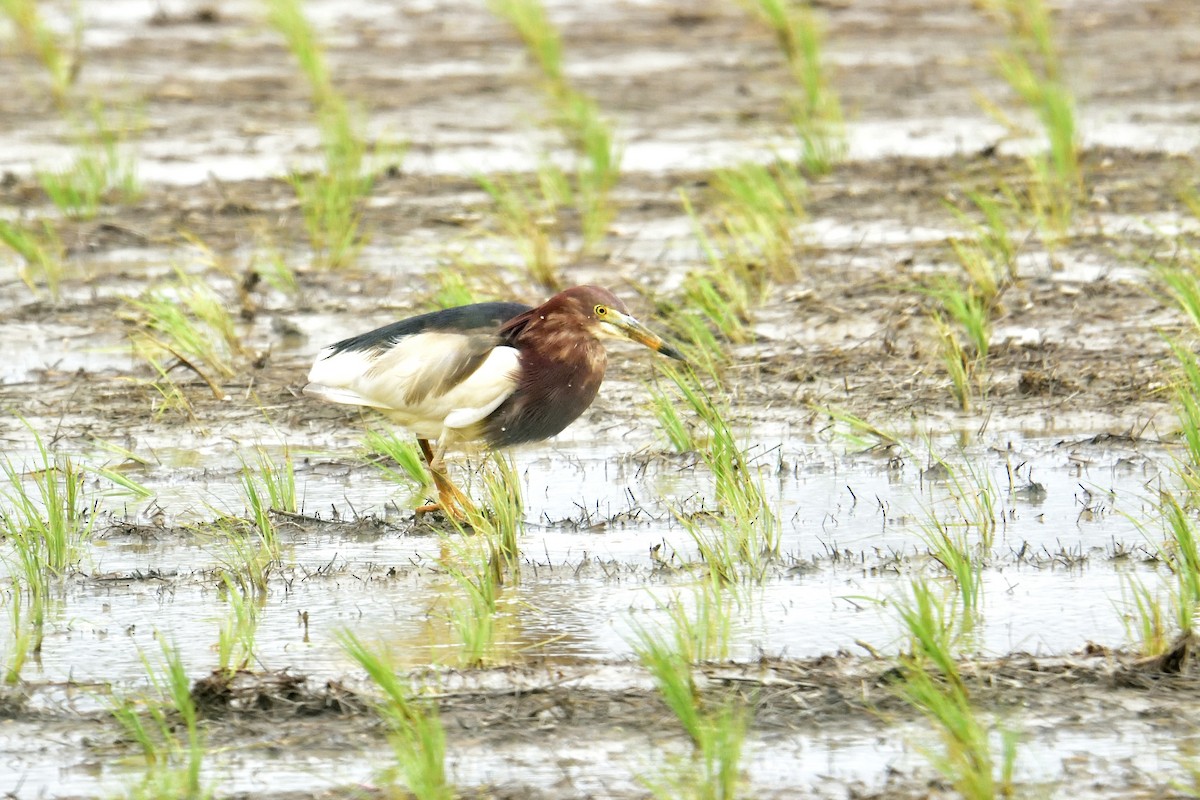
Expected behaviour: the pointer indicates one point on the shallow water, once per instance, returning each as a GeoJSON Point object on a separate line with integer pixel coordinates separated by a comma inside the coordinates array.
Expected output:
{"type": "Point", "coordinates": [603, 552]}
{"type": "Point", "coordinates": [852, 526]}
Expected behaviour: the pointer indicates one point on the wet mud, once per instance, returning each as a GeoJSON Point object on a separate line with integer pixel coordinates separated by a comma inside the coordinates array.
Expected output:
{"type": "Point", "coordinates": [1077, 403]}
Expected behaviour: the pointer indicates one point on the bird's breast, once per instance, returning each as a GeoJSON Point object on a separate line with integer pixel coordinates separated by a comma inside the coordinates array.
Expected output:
{"type": "Point", "coordinates": [552, 393]}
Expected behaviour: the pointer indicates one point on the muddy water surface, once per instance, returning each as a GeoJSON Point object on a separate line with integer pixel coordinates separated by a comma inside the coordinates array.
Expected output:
{"type": "Point", "coordinates": [1075, 436]}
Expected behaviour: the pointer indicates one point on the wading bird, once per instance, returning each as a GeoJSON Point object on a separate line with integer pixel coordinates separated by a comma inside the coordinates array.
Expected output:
{"type": "Point", "coordinates": [503, 373]}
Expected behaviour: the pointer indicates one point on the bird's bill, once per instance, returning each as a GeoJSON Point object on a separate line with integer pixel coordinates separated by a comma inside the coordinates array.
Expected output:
{"type": "Point", "coordinates": [629, 328]}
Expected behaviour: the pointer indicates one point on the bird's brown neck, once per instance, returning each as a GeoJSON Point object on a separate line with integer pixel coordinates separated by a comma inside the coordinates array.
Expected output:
{"type": "Point", "coordinates": [561, 370]}
{"type": "Point", "coordinates": [562, 350]}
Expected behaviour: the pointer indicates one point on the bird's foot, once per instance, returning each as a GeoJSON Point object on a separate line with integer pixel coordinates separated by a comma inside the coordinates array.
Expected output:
{"type": "Point", "coordinates": [450, 509]}
{"type": "Point", "coordinates": [430, 508]}
{"type": "Point", "coordinates": [451, 502]}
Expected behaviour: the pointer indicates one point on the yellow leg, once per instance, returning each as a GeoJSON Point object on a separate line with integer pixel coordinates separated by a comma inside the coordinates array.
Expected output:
{"type": "Point", "coordinates": [451, 500]}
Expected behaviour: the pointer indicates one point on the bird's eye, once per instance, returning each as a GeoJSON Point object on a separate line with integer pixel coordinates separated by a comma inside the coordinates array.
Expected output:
{"type": "Point", "coordinates": [600, 311]}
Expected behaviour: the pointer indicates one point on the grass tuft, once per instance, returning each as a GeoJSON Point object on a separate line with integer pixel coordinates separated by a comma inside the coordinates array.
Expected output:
{"type": "Point", "coordinates": [598, 164]}
{"type": "Point", "coordinates": [586, 131]}
{"type": "Point", "coordinates": [252, 544]}
{"type": "Point", "coordinates": [248, 550]}
{"type": "Point", "coordinates": [185, 323]}
{"type": "Point", "coordinates": [715, 729]}
{"type": "Point", "coordinates": [1181, 554]}
{"type": "Point", "coordinates": [165, 725]}
{"type": "Point", "coordinates": [45, 520]}
{"type": "Point", "coordinates": [931, 682]}
{"type": "Point", "coordinates": [414, 726]}
{"type": "Point", "coordinates": [40, 247]}
{"type": "Point", "coordinates": [330, 200]}
{"type": "Point", "coordinates": [960, 364]}
{"type": "Point", "coordinates": [758, 207]}
{"type": "Point", "coordinates": [238, 630]}
{"type": "Point", "coordinates": [951, 550]}
{"type": "Point", "coordinates": [1178, 548]}
{"type": "Point", "coordinates": [486, 554]}
{"type": "Point", "coordinates": [454, 288]}
{"type": "Point", "coordinates": [397, 457]}
{"type": "Point", "coordinates": [815, 111]}
{"type": "Point", "coordinates": [26, 624]}
{"type": "Point", "coordinates": [746, 529]}
{"type": "Point", "coordinates": [48, 526]}
{"type": "Point", "coordinates": [271, 480]}
{"type": "Point", "coordinates": [502, 523]}
{"type": "Point", "coordinates": [988, 255]}
{"type": "Point", "coordinates": [102, 168]}
{"type": "Point", "coordinates": [1031, 65]}
{"type": "Point", "coordinates": [1146, 621]}
{"type": "Point", "coordinates": [751, 242]}
{"type": "Point", "coordinates": [472, 612]}
{"type": "Point", "coordinates": [269, 263]}
{"type": "Point", "coordinates": [541, 39]}
{"type": "Point", "coordinates": [969, 305]}
{"type": "Point", "coordinates": [858, 432]}
{"type": "Point", "coordinates": [59, 58]}
{"type": "Point", "coordinates": [530, 217]}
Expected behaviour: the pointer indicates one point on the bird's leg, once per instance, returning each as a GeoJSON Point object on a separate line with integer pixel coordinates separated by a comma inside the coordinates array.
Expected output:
{"type": "Point", "coordinates": [426, 451]}
{"type": "Point", "coordinates": [439, 453]}
{"type": "Point", "coordinates": [451, 500]}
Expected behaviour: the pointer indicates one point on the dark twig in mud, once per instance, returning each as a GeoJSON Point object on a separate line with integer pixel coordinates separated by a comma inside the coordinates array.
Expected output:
{"type": "Point", "coordinates": [216, 390]}
{"type": "Point", "coordinates": [302, 517]}
{"type": "Point", "coordinates": [272, 694]}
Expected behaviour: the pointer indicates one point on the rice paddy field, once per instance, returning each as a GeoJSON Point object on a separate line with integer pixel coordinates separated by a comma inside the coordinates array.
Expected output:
{"type": "Point", "coordinates": [915, 519]}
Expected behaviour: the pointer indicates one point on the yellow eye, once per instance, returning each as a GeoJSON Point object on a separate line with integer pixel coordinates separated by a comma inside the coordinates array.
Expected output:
{"type": "Point", "coordinates": [600, 311]}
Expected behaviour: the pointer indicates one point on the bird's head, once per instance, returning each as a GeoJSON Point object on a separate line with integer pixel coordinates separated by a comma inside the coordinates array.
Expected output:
{"type": "Point", "coordinates": [602, 314]}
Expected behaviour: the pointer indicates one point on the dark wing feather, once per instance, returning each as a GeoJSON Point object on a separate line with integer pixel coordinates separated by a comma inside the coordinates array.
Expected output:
{"type": "Point", "coordinates": [467, 320]}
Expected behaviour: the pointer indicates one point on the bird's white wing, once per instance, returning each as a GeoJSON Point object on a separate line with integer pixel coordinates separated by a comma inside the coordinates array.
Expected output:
{"type": "Point", "coordinates": [426, 382]}
{"type": "Point", "coordinates": [335, 378]}
{"type": "Point", "coordinates": [484, 390]}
